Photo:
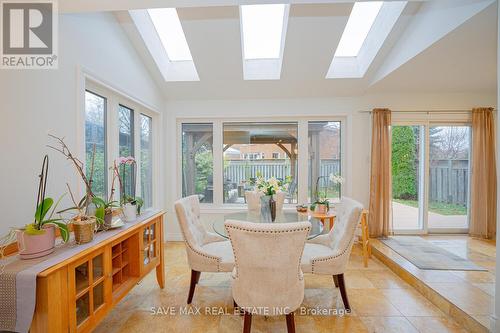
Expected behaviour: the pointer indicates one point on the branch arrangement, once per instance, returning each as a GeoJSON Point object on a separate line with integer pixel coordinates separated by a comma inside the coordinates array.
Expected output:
{"type": "Point", "coordinates": [64, 150]}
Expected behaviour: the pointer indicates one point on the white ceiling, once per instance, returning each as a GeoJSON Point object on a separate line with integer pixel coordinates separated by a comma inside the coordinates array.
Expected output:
{"type": "Point", "coordinates": [462, 61]}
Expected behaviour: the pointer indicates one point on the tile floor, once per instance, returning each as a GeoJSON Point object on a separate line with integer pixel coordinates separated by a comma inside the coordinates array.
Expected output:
{"type": "Point", "coordinates": [472, 292]}
{"type": "Point", "coordinates": [381, 302]}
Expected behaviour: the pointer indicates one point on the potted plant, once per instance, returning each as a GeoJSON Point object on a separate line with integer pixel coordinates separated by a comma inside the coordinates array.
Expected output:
{"type": "Point", "coordinates": [321, 205]}
{"type": "Point", "coordinates": [131, 205]}
{"type": "Point", "coordinates": [84, 223]}
{"type": "Point", "coordinates": [104, 208]}
{"type": "Point", "coordinates": [37, 239]}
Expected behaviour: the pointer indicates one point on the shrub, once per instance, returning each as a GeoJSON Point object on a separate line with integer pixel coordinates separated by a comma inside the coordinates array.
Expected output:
{"type": "Point", "coordinates": [403, 163]}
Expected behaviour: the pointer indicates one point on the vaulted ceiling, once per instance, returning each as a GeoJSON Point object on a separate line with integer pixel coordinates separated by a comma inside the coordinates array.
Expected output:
{"type": "Point", "coordinates": [461, 57]}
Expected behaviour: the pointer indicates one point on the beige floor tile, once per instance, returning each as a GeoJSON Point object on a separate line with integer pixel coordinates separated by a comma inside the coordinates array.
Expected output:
{"type": "Point", "coordinates": [467, 297]}
{"type": "Point", "coordinates": [385, 280]}
{"type": "Point", "coordinates": [411, 303]}
{"type": "Point", "coordinates": [435, 325]}
{"type": "Point", "coordinates": [370, 302]}
{"type": "Point", "coordinates": [388, 325]}
{"type": "Point", "coordinates": [372, 292]}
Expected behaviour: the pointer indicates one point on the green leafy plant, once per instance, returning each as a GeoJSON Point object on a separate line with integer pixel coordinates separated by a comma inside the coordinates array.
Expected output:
{"type": "Point", "coordinates": [137, 201]}
{"type": "Point", "coordinates": [41, 219]}
{"type": "Point", "coordinates": [103, 207]}
{"type": "Point", "coordinates": [404, 185]}
{"type": "Point", "coordinates": [322, 199]}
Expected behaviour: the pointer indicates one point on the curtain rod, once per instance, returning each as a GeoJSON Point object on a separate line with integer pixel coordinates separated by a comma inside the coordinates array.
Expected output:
{"type": "Point", "coordinates": [426, 111]}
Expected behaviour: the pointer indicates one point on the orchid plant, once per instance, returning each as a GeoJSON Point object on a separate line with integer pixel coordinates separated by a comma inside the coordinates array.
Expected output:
{"type": "Point", "coordinates": [123, 162]}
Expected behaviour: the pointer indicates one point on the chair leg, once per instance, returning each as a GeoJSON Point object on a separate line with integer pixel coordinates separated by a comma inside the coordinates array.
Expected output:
{"type": "Point", "coordinates": [290, 323]}
{"type": "Point", "coordinates": [343, 293]}
{"type": "Point", "coordinates": [336, 281]}
{"type": "Point", "coordinates": [195, 277]}
{"type": "Point", "coordinates": [247, 322]}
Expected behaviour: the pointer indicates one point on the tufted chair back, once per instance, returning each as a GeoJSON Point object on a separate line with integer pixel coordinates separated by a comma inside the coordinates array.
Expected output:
{"type": "Point", "coordinates": [267, 272]}
{"type": "Point", "coordinates": [253, 200]}
{"type": "Point", "coordinates": [188, 214]}
{"type": "Point", "coordinates": [342, 233]}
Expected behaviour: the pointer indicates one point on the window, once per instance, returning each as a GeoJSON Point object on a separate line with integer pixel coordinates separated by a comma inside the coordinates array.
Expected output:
{"type": "Point", "coordinates": [146, 160]}
{"type": "Point", "coordinates": [324, 158]}
{"type": "Point", "coordinates": [130, 134]}
{"type": "Point", "coordinates": [358, 26]}
{"type": "Point", "coordinates": [95, 137]}
{"type": "Point", "coordinates": [169, 29]}
{"type": "Point", "coordinates": [276, 155]}
{"type": "Point", "coordinates": [251, 139]}
{"type": "Point", "coordinates": [126, 145]}
{"type": "Point", "coordinates": [197, 161]}
{"type": "Point", "coordinates": [262, 30]}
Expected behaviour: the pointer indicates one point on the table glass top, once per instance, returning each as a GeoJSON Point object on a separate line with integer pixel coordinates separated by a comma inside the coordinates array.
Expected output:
{"type": "Point", "coordinates": [282, 217]}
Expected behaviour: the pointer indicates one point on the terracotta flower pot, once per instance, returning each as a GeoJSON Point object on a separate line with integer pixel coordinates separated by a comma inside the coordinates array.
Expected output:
{"type": "Point", "coordinates": [321, 209]}
{"type": "Point", "coordinates": [35, 246]}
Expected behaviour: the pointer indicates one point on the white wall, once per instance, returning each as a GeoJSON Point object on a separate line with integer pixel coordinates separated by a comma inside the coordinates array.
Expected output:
{"type": "Point", "coordinates": [357, 130]}
{"type": "Point", "coordinates": [35, 102]}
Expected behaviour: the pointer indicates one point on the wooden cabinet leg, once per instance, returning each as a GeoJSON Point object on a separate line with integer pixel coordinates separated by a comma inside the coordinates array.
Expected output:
{"type": "Point", "coordinates": [160, 269]}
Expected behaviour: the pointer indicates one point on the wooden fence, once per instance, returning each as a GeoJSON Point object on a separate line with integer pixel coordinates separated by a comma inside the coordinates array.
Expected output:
{"type": "Point", "coordinates": [236, 171]}
{"type": "Point", "coordinates": [449, 181]}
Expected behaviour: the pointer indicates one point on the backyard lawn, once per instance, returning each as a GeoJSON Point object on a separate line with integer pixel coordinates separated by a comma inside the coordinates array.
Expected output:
{"type": "Point", "coordinates": [437, 207]}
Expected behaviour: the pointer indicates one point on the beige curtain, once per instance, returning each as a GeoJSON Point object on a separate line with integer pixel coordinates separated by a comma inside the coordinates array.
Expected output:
{"type": "Point", "coordinates": [483, 179]}
{"type": "Point", "coordinates": [380, 177]}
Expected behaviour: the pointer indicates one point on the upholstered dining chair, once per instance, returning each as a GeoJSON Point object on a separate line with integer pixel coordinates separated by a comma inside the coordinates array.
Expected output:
{"type": "Point", "coordinates": [267, 279]}
{"type": "Point", "coordinates": [252, 199]}
{"type": "Point", "coordinates": [206, 251]}
{"type": "Point", "coordinates": [329, 254]}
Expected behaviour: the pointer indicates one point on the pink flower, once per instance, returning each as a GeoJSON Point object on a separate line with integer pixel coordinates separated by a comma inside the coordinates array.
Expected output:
{"type": "Point", "coordinates": [126, 160]}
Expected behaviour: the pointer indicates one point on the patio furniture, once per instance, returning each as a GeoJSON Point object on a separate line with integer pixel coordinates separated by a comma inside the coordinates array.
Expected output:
{"type": "Point", "coordinates": [329, 253]}
{"type": "Point", "coordinates": [206, 251]}
{"type": "Point", "coordinates": [267, 279]}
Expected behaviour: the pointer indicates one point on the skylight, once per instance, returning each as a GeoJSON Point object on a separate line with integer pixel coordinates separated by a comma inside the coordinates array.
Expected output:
{"type": "Point", "coordinates": [262, 30]}
{"type": "Point", "coordinates": [358, 26]}
{"type": "Point", "coordinates": [169, 29]}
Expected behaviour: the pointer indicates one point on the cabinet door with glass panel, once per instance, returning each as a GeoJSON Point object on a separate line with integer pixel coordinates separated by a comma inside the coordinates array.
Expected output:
{"type": "Point", "coordinates": [88, 290]}
{"type": "Point", "coordinates": [150, 246]}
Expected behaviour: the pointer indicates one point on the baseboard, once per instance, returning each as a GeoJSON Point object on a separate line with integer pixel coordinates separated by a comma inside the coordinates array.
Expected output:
{"type": "Point", "coordinates": [494, 324]}
{"type": "Point", "coordinates": [173, 237]}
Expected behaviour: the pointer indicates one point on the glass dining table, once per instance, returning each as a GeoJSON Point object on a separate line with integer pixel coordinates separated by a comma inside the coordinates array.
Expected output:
{"type": "Point", "coordinates": [257, 217]}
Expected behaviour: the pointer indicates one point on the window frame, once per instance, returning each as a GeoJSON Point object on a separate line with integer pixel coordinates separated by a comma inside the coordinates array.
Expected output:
{"type": "Point", "coordinates": [114, 98]}
{"type": "Point", "coordinates": [218, 206]}
{"type": "Point", "coordinates": [91, 91]}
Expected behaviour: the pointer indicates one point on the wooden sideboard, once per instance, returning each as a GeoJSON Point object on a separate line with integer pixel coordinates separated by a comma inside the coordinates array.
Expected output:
{"type": "Point", "coordinates": [76, 294]}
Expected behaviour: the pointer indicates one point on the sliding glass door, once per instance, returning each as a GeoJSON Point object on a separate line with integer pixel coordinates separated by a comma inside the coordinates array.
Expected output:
{"type": "Point", "coordinates": [430, 178]}
{"type": "Point", "coordinates": [449, 152]}
{"type": "Point", "coordinates": [407, 185]}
